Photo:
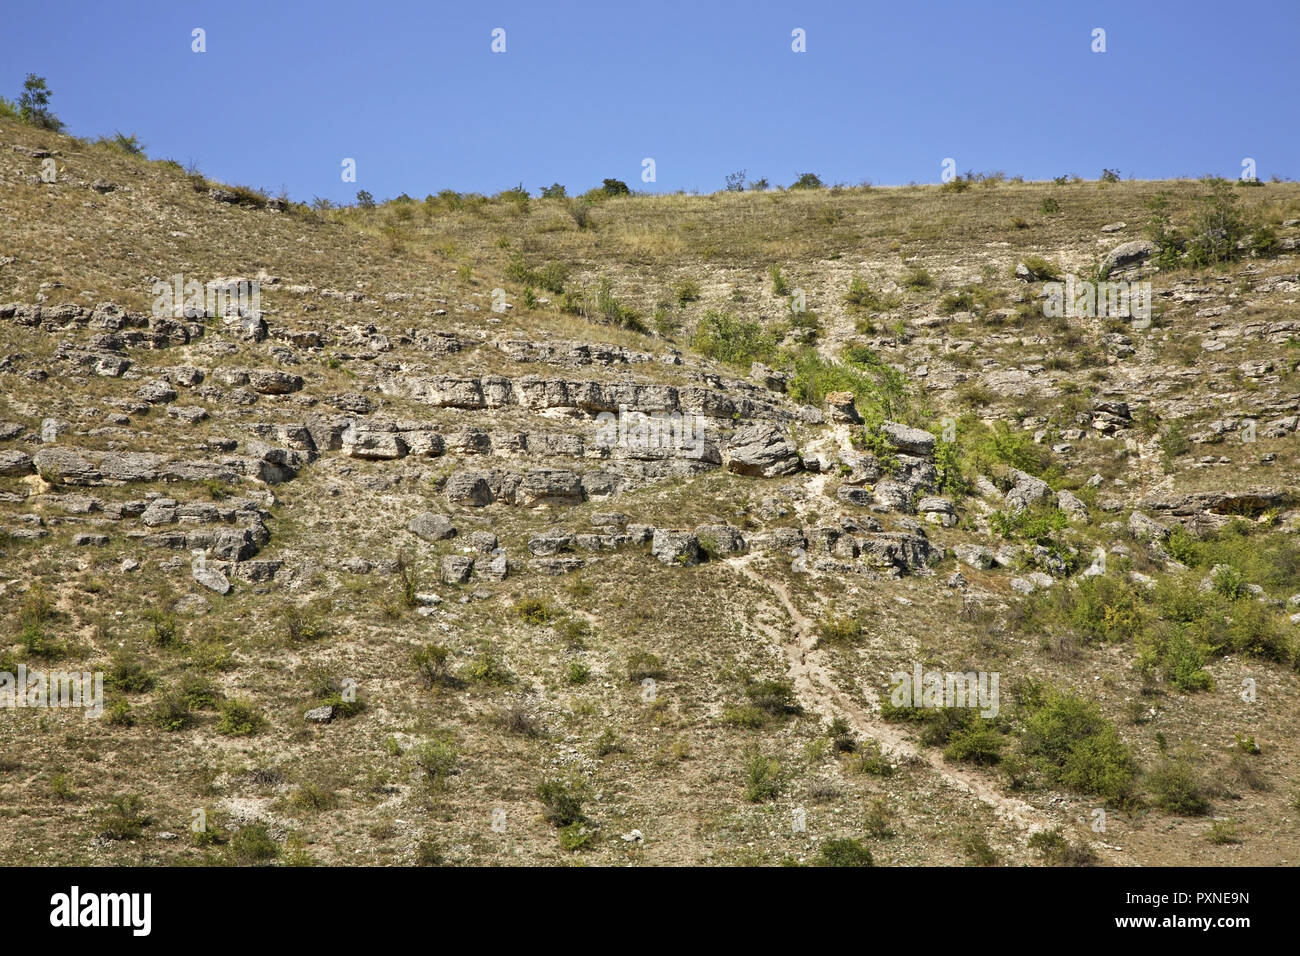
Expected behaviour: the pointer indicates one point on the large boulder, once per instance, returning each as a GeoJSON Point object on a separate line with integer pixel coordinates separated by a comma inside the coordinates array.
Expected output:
{"type": "Point", "coordinates": [841, 409]}
{"type": "Point", "coordinates": [212, 579]}
{"type": "Point", "coordinates": [550, 487]}
{"type": "Point", "coordinates": [1027, 491]}
{"type": "Point", "coordinates": [15, 464]}
{"type": "Point", "coordinates": [1127, 255]}
{"type": "Point", "coordinates": [720, 539]}
{"type": "Point", "coordinates": [270, 381]}
{"type": "Point", "coordinates": [468, 488]}
{"type": "Point", "coordinates": [761, 450]}
{"type": "Point", "coordinates": [64, 466]}
{"type": "Point", "coordinates": [550, 543]}
{"type": "Point", "coordinates": [1141, 526]}
{"type": "Point", "coordinates": [431, 527]}
{"type": "Point", "coordinates": [1072, 505]}
{"type": "Point", "coordinates": [374, 445]}
{"type": "Point", "coordinates": [679, 548]}
{"type": "Point", "coordinates": [907, 552]}
{"type": "Point", "coordinates": [156, 392]}
{"type": "Point", "coordinates": [131, 466]}
{"type": "Point", "coordinates": [456, 568]}
{"type": "Point", "coordinates": [909, 441]}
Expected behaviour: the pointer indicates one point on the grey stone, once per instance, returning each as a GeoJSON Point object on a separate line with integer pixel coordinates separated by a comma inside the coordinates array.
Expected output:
{"type": "Point", "coordinates": [1127, 254]}
{"type": "Point", "coordinates": [680, 548]}
{"type": "Point", "coordinates": [761, 450]}
{"type": "Point", "coordinates": [320, 715]}
{"type": "Point", "coordinates": [15, 464]}
{"type": "Point", "coordinates": [456, 568]}
{"type": "Point", "coordinates": [273, 381]}
{"type": "Point", "coordinates": [430, 526]}
{"type": "Point", "coordinates": [1141, 526]}
{"type": "Point", "coordinates": [909, 441]}
{"type": "Point", "coordinates": [1072, 505]}
{"type": "Point", "coordinates": [1027, 491]}
{"type": "Point", "coordinates": [468, 488]}
{"type": "Point", "coordinates": [212, 580]}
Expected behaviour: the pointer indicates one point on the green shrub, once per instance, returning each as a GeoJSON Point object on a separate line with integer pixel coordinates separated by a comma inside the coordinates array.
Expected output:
{"type": "Point", "coordinates": [609, 309]}
{"type": "Point", "coordinates": [550, 277]}
{"type": "Point", "coordinates": [536, 611]}
{"type": "Point", "coordinates": [302, 624]}
{"type": "Point", "coordinates": [488, 668]}
{"type": "Point", "coordinates": [780, 286]}
{"type": "Point", "coordinates": [580, 212]}
{"type": "Point", "coordinates": [239, 718]}
{"type": "Point", "coordinates": [39, 643]}
{"type": "Point", "coordinates": [688, 290]}
{"type": "Point", "coordinates": [976, 298]}
{"type": "Point", "coordinates": [724, 337]}
{"type": "Point", "coordinates": [773, 697]}
{"type": "Point", "coordinates": [984, 447]}
{"type": "Point", "coordinates": [428, 853]}
{"type": "Point", "coordinates": [950, 476]}
{"type": "Point", "coordinates": [843, 851]}
{"type": "Point", "coordinates": [119, 714]}
{"type": "Point", "coordinates": [839, 629]}
{"type": "Point", "coordinates": [436, 759]}
{"type": "Point", "coordinates": [252, 844]}
{"type": "Point", "coordinates": [1056, 850]}
{"type": "Point", "coordinates": [199, 692]}
{"type": "Point", "coordinates": [871, 759]}
{"type": "Point", "coordinates": [162, 628]}
{"type": "Point", "coordinates": [553, 191]}
{"type": "Point", "coordinates": [879, 390]}
{"type": "Point", "coordinates": [1213, 235]}
{"type": "Point", "coordinates": [762, 777]}
{"type": "Point", "coordinates": [1223, 833]}
{"type": "Point", "coordinates": [1105, 608]}
{"type": "Point", "coordinates": [171, 711]}
{"type": "Point", "coordinates": [124, 818]}
{"type": "Point", "coordinates": [130, 145]}
{"type": "Point", "coordinates": [1175, 788]}
{"type": "Point", "coordinates": [562, 799]}
{"type": "Point", "coordinates": [745, 716]}
{"type": "Point", "coordinates": [615, 187]}
{"type": "Point", "coordinates": [1041, 268]}
{"type": "Point", "coordinates": [313, 797]}
{"type": "Point", "coordinates": [978, 744]}
{"type": "Point", "coordinates": [917, 278]}
{"type": "Point", "coordinates": [1039, 524]}
{"type": "Point", "coordinates": [977, 849]}
{"type": "Point", "coordinates": [577, 673]}
{"type": "Point", "coordinates": [1229, 582]}
{"type": "Point", "coordinates": [432, 664]}
{"type": "Point", "coordinates": [1076, 746]}
{"type": "Point", "coordinates": [807, 181]}
{"type": "Point", "coordinates": [576, 837]}
{"type": "Point", "coordinates": [862, 296]}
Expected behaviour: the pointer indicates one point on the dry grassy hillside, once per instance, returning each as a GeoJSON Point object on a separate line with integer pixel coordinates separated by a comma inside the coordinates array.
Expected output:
{"type": "Point", "coordinates": [367, 586]}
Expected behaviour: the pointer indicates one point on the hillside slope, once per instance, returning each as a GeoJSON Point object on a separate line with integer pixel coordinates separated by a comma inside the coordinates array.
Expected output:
{"type": "Point", "coordinates": [377, 573]}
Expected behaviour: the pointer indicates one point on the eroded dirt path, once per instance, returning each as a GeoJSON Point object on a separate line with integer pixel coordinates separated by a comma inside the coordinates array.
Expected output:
{"type": "Point", "coordinates": [818, 691]}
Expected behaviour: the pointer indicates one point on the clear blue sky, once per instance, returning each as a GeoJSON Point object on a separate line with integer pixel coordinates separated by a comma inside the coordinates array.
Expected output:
{"type": "Point", "coordinates": [413, 92]}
